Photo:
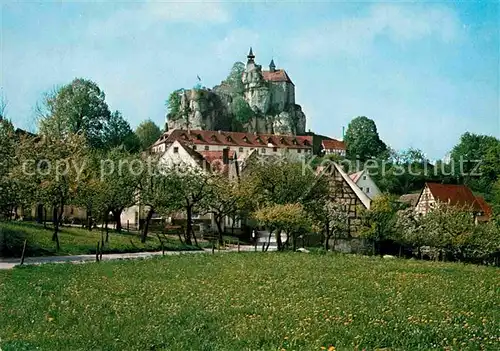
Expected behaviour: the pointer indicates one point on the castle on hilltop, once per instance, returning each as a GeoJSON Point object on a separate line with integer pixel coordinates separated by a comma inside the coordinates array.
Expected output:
{"type": "Point", "coordinates": [268, 94]}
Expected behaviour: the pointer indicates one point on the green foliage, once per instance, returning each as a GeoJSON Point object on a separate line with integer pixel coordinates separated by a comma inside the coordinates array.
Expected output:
{"type": "Point", "coordinates": [234, 79]}
{"type": "Point", "coordinates": [78, 107]}
{"type": "Point", "coordinates": [118, 133]}
{"type": "Point", "coordinates": [148, 133]}
{"type": "Point", "coordinates": [473, 150]}
{"type": "Point", "coordinates": [243, 113]}
{"type": "Point", "coordinates": [362, 139]}
{"type": "Point", "coordinates": [269, 302]}
{"type": "Point", "coordinates": [378, 221]}
{"type": "Point", "coordinates": [452, 231]}
{"type": "Point", "coordinates": [8, 186]}
{"type": "Point", "coordinates": [174, 104]}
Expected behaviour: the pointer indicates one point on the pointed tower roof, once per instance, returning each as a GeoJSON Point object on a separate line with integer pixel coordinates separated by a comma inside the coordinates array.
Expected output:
{"type": "Point", "coordinates": [250, 56]}
{"type": "Point", "coordinates": [272, 66]}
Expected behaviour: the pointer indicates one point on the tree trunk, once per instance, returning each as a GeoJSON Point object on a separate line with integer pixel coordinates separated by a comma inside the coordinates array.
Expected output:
{"type": "Point", "coordinates": [106, 222]}
{"type": "Point", "coordinates": [117, 218]}
{"type": "Point", "coordinates": [219, 229]}
{"type": "Point", "coordinates": [294, 242]}
{"type": "Point", "coordinates": [89, 217]}
{"type": "Point", "coordinates": [146, 225]}
{"type": "Point", "coordinates": [189, 226]}
{"type": "Point", "coordinates": [57, 220]}
{"type": "Point", "coordinates": [278, 240]}
{"type": "Point", "coordinates": [327, 239]}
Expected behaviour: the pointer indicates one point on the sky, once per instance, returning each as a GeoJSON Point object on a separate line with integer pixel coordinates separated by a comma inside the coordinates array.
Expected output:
{"type": "Point", "coordinates": [424, 72]}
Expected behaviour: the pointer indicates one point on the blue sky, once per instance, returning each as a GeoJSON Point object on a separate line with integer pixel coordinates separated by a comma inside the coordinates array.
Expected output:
{"type": "Point", "coordinates": [425, 72]}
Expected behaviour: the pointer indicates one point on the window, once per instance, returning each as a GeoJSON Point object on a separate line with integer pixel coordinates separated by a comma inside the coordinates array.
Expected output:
{"type": "Point", "coordinates": [275, 149]}
{"type": "Point", "coordinates": [240, 149]}
{"type": "Point", "coordinates": [299, 151]}
{"type": "Point", "coordinates": [367, 190]}
{"type": "Point", "coordinates": [176, 150]}
{"type": "Point", "coordinates": [194, 147]}
{"type": "Point", "coordinates": [207, 148]}
{"type": "Point", "coordinates": [364, 177]}
{"type": "Point", "coordinates": [263, 150]}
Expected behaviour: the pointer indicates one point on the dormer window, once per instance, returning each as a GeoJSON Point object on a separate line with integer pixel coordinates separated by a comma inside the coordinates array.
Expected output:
{"type": "Point", "coordinates": [306, 142]}
{"type": "Point", "coordinates": [282, 140]}
{"type": "Point", "coordinates": [199, 137]}
{"type": "Point", "coordinates": [229, 139]}
{"type": "Point", "coordinates": [245, 139]}
{"type": "Point", "coordinates": [258, 139]}
{"type": "Point", "coordinates": [184, 136]}
{"type": "Point", "coordinates": [213, 137]}
{"type": "Point", "coordinates": [295, 142]}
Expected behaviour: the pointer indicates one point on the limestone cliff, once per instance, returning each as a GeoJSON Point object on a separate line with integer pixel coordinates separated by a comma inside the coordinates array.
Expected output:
{"type": "Point", "coordinates": [251, 101]}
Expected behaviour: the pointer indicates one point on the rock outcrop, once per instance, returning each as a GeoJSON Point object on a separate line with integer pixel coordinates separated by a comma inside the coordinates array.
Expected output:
{"type": "Point", "coordinates": [269, 96]}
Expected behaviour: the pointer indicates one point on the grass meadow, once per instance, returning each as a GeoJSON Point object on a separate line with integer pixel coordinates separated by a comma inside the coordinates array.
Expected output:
{"type": "Point", "coordinates": [251, 301]}
{"type": "Point", "coordinates": [77, 241]}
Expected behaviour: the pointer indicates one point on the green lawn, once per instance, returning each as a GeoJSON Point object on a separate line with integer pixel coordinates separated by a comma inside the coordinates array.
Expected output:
{"type": "Point", "coordinates": [251, 301]}
{"type": "Point", "coordinates": [76, 240]}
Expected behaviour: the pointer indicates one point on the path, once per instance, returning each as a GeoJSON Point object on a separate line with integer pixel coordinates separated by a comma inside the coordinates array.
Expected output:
{"type": "Point", "coordinates": [12, 262]}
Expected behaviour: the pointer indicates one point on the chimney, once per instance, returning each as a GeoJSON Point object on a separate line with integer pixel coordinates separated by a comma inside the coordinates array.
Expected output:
{"type": "Point", "coordinates": [225, 156]}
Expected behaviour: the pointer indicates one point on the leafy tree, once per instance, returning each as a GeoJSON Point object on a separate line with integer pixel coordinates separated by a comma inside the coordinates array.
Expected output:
{"type": "Point", "coordinates": [158, 192]}
{"type": "Point", "coordinates": [362, 139]}
{"type": "Point", "coordinates": [49, 171]}
{"type": "Point", "coordinates": [78, 107]}
{"type": "Point", "coordinates": [174, 105]}
{"type": "Point", "coordinates": [242, 111]}
{"type": "Point", "coordinates": [292, 219]}
{"type": "Point", "coordinates": [234, 79]}
{"type": "Point", "coordinates": [333, 219]}
{"type": "Point", "coordinates": [193, 194]}
{"type": "Point", "coordinates": [379, 220]}
{"type": "Point", "coordinates": [148, 133]}
{"type": "Point", "coordinates": [120, 174]}
{"type": "Point", "coordinates": [118, 133]}
{"type": "Point", "coordinates": [230, 199]}
{"type": "Point", "coordinates": [8, 189]}
{"type": "Point", "coordinates": [474, 150]}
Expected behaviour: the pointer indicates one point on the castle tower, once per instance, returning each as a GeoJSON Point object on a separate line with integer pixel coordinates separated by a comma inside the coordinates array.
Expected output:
{"type": "Point", "coordinates": [272, 66]}
{"type": "Point", "coordinates": [250, 56]}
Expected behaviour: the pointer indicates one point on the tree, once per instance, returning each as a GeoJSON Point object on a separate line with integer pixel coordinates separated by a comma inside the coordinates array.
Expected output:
{"type": "Point", "coordinates": [333, 219]}
{"type": "Point", "coordinates": [49, 171]}
{"type": "Point", "coordinates": [117, 132]}
{"type": "Point", "coordinates": [476, 161]}
{"type": "Point", "coordinates": [234, 79]}
{"type": "Point", "coordinates": [78, 107]}
{"type": "Point", "coordinates": [230, 199]}
{"type": "Point", "coordinates": [291, 219]}
{"type": "Point", "coordinates": [148, 133]}
{"type": "Point", "coordinates": [193, 194]}
{"type": "Point", "coordinates": [378, 221]}
{"type": "Point", "coordinates": [120, 174]}
{"type": "Point", "coordinates": [242, 111]}
{"type": "Point", "coordinates": [362, 139]}
{"type": "Point", "coordinates": [157, 192]}
{"type": "Point", "coordinates": [8, 189]}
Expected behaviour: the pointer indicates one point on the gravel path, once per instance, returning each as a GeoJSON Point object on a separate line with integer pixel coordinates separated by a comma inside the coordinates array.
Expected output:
{"type": "Point", "coordinates": [12, 262]}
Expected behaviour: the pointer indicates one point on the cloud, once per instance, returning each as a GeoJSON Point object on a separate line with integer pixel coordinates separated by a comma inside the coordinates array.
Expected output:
{"type": "Point", "coordinates": [141, 17]}
{"type": "Point", "coordinates": [399, 23]}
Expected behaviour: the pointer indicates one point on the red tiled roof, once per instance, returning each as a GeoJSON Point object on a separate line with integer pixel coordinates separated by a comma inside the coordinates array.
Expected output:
{"type": "Point", "coordinates": [221, 138]}
{"type": "Point", "coordinates": [355, 176]}
{"type": "Point", "coordinates": [333, 144]}
{"type": "Point", "coordinates": [459, 195]}
{"type": "Point", "coordinates": [488, 212]}
{"type": "Point", "coordinates": [278, 75]}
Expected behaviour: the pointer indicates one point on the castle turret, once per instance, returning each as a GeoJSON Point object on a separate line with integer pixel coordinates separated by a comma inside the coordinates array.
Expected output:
{"type": "Point", "coordinates": [250, 56]}
{"type": "Point", "coordinates": [272, 66]}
